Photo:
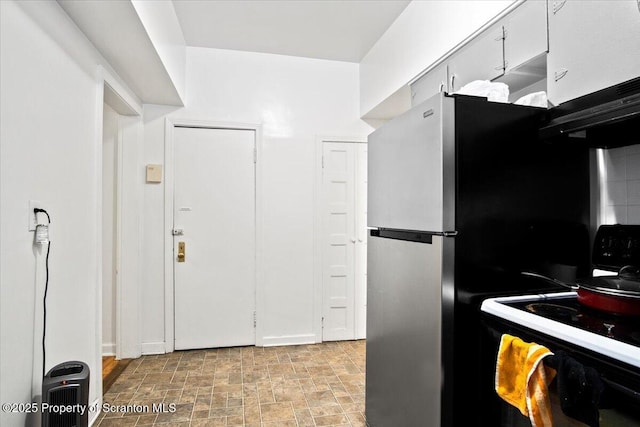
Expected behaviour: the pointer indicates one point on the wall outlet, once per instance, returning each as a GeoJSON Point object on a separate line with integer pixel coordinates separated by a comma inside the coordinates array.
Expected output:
{"type": "Point", "coordinates": [33, 220]}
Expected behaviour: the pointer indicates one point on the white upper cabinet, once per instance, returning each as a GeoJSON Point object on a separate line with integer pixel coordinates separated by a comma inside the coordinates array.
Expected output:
{"type": "Point", "coordinates": [526, 44]}
{"type": "Point", "coordinates": [512, 50]}
{"type": "Point", "coordinates": [592, 45]}
{"type": "Point", "coordinates": [481, 59]}
{"type": "Point", "coordinates": [525, 32]}
{"type": "Point", "coordinates": [428, 85]}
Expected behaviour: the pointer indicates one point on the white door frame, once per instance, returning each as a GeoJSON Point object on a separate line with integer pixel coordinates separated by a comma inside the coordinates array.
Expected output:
{"type": "Point", "coordinates": [169, 278]}
{"type": "Point", "coordinates": [128, 235]}
{"type": "Point", "coordinates": [318, 230]}
{"type": "Point", "coordinates": [119, 98]}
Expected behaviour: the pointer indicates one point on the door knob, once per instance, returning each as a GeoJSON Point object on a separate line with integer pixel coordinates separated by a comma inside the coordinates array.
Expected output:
{"type": "Point", "coordinates": [180, 251]}
{"type": "Point", "coordinates": [353, 240]}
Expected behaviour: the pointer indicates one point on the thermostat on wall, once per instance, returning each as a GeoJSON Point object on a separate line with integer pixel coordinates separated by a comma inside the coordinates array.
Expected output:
{"type": "Point", "coordinates": [154, 173]}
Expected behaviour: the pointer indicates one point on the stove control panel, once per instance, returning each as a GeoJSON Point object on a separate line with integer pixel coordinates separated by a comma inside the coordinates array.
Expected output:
{"type": "Point", "coordinates": [616, 246]}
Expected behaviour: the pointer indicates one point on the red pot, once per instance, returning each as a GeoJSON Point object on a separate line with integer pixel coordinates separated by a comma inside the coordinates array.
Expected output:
{"type": "Point", "coordinates": [619, 294]}
{"type": "Point", "coordinates": [616, 294]}
{"type": "Point", "coordinates": [610, 303]}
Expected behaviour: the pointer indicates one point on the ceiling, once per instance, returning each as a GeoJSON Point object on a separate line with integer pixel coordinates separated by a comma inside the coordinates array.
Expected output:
{"type": "Point", "coordinates": [340, 30]}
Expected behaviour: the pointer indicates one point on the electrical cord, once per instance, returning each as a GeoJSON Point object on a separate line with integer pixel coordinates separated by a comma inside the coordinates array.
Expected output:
{"type": "Point", "coordinates": [44, 300]}
{"type": "Point", "coordinates": [38, 210]}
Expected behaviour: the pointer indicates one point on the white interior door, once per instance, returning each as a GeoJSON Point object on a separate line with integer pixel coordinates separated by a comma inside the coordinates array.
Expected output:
{"type": "Point", "coordinates": [342, 202]}
{"type": "Point", "coordinates": [214, 206]}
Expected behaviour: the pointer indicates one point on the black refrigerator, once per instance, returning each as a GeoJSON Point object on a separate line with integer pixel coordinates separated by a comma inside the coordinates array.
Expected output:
{"type": "Point", "coordinates": [462, 197]}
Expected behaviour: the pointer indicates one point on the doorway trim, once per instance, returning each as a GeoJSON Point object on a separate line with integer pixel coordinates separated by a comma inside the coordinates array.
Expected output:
{"type": "Point", "coordinates": [169, 277]}
{"type": "Point", "coordinates": [318, 229]}
{"type": "Point", "coordinates": [128, 233]}
{"type": "Point", "coordinates": [110, 89]}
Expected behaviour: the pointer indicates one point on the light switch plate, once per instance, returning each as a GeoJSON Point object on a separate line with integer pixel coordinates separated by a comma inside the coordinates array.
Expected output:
{"type": "Point", "coordinates": [154, 173]}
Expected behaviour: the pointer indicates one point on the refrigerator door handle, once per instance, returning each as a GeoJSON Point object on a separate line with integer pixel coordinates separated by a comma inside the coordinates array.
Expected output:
{"type": "Point", "coordinates": [452, 233]}
{"type": "Point", "coordinates": [409, 235]}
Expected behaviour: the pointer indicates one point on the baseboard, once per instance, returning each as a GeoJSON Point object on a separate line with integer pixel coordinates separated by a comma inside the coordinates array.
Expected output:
{"type": "Point", "coordinates": [159, 347]}
{"type": "Point", "coordinates": [94, 411]}
{"type": "Point", "coordinates": [289, 340]}
{"type": "Point", "coordinates": [153, 348]}
{"type": "Point", "coordinates": [109, 349]}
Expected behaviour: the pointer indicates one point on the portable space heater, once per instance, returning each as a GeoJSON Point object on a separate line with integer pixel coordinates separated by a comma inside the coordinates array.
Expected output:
{"type": "Point", "coordinates": [66, 386]}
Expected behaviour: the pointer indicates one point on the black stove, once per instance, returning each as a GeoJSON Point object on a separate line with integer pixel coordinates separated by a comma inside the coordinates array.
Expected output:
{"type": "Point", "coordinates": [568, 311]}
{"type": "Point", "coordinates": [559, 315]}
{"type": "Point", "coordinates": [616, 249]}
{"type": "Point", "coordinates": [607, 342]}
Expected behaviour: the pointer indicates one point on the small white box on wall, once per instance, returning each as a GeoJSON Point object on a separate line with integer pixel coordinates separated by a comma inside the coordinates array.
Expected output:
{"type": "Point", "coordinates": [154, 173]}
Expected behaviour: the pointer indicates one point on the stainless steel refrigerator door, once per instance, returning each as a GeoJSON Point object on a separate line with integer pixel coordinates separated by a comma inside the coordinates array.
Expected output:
{"type": "Point", "coordinates": [412, 169]}
{"type": "Point", "coordinates": [404, 339]}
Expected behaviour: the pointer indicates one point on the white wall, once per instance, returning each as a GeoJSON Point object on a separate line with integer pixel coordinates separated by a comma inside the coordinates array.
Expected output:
{"type": "Point", "coordinates": [295, 100]}
{"type": "Point", "coordinates": [50, 150]}
{"type": "Point", "coordinates": [621, 185]}
{"type": "Point", "coordinates": [423, 32]}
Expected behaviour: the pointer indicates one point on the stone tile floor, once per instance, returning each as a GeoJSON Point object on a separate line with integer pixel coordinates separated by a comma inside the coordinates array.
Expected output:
{"type": "Point", "coordinates": [306, 385]}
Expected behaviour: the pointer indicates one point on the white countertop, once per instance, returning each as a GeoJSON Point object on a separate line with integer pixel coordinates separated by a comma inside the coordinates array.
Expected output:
{"type": "Point", "coordinates": [600, 344]}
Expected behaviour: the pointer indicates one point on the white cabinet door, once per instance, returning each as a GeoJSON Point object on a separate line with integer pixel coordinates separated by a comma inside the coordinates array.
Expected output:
{"type": "Point", "coordinates": [525, 34]}
{"type": "Point", "coordinates": [592, 45]}
{"type": "Point", "coordinates": [481, 59]}
{"type": "Point", "coordinates": [428, 85]}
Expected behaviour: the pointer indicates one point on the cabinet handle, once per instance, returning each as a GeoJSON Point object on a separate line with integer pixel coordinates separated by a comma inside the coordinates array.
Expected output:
{"type": "Point", "coordinates": [557, 5]}
{"type": "Point", "coordinates": [452, 87]}
{"type": "Point", "coordinates": [560, 74]}
{"type": "Point", "coordinates": [502, 67]}
{"type": "Point", "coordinates": [441, 88]}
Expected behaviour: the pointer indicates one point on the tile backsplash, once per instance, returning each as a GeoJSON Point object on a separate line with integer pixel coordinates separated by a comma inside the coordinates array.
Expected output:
{"type": "Point", "coordinates": [620, 181]}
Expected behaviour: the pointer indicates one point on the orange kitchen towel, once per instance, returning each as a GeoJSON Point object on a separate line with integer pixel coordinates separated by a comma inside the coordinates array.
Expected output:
{"type": "Point", "coordinates": [522, 380]}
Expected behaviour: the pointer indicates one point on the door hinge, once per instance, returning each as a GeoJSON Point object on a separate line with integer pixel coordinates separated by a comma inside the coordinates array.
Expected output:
{"type": "Point", "coordinates": [323, 162]}
{"type": "Point", "coordinates": [255, 322]}
{"type": "Point", "coordinates": [255, 155]}
{"type": "Point", "coordinates": [322, 322]}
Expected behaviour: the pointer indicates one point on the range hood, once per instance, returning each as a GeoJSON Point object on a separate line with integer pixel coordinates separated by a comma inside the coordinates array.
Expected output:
{"type": "Point", "coordinates": [605, 119]}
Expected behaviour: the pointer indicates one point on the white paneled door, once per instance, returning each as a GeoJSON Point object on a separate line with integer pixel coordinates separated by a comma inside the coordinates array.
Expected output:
{"type": "Point", "coordinates": [214, 249]}
{"type": "Point", "coordinates": [344, 240]}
